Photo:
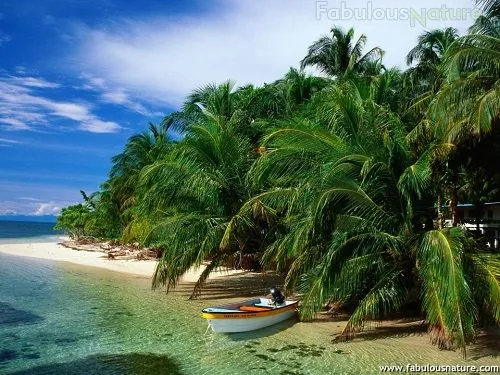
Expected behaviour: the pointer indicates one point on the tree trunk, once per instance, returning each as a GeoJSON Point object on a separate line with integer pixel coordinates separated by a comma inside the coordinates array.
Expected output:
{"type": "Point", "coordinates": [453, 207]}
{"type": "Point", "coordinates": [440, 211]}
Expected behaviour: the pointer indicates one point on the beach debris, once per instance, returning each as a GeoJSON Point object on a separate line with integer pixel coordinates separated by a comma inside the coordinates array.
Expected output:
{"type": "Point", "coordinates": [114, 250]}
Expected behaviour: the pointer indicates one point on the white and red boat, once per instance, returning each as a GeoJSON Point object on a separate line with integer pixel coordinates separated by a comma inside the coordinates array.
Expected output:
{"type": "Point", "coordinates": [249, 315]}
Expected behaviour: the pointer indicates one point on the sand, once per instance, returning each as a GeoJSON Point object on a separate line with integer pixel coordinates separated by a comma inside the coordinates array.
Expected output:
{"type": "Point", "coordinates": [56, 252]}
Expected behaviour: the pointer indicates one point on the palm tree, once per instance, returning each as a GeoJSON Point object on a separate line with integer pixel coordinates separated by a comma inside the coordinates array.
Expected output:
{"type": "Point", "coordinates": [189, 197]}
{"type": "Point", "coordinates": [299, 87]}
{"type": "Point", "coordinates": [487, 24]}
{"type": "Point", "coordinates": [320, 178]}
{"type": "Point", "coordinates": [212, 98]}
{"type": "Point", "coordinates": [424, 80]}
{"type": "Point", "coordinates": [469, 104]}
{"type": "Point", "coordinates": [337, 56]}
{"type": "Point", "coordinates": [456, 79]}
{"type": "Point", "coordinates": [490, 7]}
{"type": "Point", "coordinates": [431, 47]}
{"type": "Point", "coordinates": [217, 99]}
{"type": "Point", "coordinates": [347, 196]}
{"type": "Point", "coordinates": [140, 151]}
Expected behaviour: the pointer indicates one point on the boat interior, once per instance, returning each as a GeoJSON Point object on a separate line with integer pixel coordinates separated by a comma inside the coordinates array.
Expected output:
{"type": "Point", "coordinates": [253, 305]}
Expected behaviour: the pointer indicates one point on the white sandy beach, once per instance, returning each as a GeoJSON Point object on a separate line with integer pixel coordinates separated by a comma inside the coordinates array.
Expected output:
{"type": "Point", "coordinates": [56, 252]}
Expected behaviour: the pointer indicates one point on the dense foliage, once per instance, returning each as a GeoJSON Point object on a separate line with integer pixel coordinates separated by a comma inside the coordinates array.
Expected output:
{"type": "Point", "coordinates": [337, 181]}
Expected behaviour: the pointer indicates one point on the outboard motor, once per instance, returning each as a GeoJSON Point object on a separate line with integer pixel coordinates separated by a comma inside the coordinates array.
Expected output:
{"type": "Point", "coordinates": [278, 297]}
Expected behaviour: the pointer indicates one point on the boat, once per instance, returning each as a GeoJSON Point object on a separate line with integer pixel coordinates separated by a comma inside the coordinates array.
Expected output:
{"type": "Point", "coordinates": [249, 315]}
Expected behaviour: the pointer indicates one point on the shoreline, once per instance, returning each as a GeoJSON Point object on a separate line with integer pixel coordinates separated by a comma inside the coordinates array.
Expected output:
{"type": "Point", "coordinates": [55, 251]}
{"type": "Point", "coordinates": [221, 288]}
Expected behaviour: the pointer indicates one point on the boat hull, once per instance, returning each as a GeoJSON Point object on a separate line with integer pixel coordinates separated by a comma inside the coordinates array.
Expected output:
{"type": "Point", "coordinates": [248, 315]}
{"type": "Point", "coordinates": [233, 325]}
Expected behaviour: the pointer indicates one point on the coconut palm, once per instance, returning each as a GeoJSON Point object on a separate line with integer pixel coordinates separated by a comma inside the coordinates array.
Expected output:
{"type": "Point", "coordinates": [212, 98]}
{"type": "Point", "coordinates": [347, 196]}
{"type": "Point", "coordinates": [298, 88]}
{"type": "Point", "coordinates": [490, 7]}
{"type": "Point", "coordinates": [217, 99]}
{"type": "Point", "coordinates": [189, 197]}
{"type": "Point", "coordinates": [487, 25]}
{"type": "Point", "coordinates": [431, 47]}
{"type": "Point", "coordinates": [385, 89]}
{"type": "Point", "coordinates": [339, 55]}
{"type": "Point", "coordinates": [423, 80]}
{"type": "Point", "coordinates": [140, 151]}
{"type": "Point", "coordinates": [469, 104]}
{"type": "Point", "coordinates": [322, 179]}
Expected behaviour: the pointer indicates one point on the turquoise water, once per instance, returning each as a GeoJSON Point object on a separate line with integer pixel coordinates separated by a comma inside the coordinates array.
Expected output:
{"type": "Point", "coordinates": [64, 319]}
{"type": "Point", "coordinates": [58, 318]}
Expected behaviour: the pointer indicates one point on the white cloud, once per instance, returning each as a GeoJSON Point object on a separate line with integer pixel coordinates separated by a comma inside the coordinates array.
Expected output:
{"type": "Point", "coordinates": [48, 208]}
{"type": "Point", "coordinates": [120, 97]}
{"type": "Point", "coordinates": [14, 124]}
{"type": "Point", "coordinates": [114, 95]}
{"type": "Point", "coordinates": [23, 108]}
{"type": "Point", "coordinates": [95, 125]}
{"type": "Point", "coordinates": [164, 58]}
{"type": "Point", "coordinates": [96, 82]}
{"type": "Point", "coordinates": [35, 82]}
{"type": "Point", "coordinates": [117, 97]}
{"type": "Point", "coordinates": [20, 69]}
{"type": "Point", "coordinates": [4, 39]}
{"type": "Point", "coordinates": [31, 206]}
{"type": "Point", "coordinates": [73, 111]}
{"type": "Point", "coordinates": [9, 142]}
{"type": "Point", "coordinates": [30, 199]}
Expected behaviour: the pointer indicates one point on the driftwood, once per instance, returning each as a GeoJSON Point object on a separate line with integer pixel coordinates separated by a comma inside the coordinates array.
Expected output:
{"type": "Point", "coordinates": [334, 309]}
{"type": "Point", "coordinates": [148, 254]}
{"type": "Point", "coordinates": [113, 254]}
{"type": "Point", "coordinates": [114, 250]}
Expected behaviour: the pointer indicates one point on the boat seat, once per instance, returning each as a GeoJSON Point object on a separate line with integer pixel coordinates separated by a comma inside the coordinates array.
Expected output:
{"type": "Point", "coordinates": [265, 305]}
{"type": "Point", "coordinates": [254, 308]}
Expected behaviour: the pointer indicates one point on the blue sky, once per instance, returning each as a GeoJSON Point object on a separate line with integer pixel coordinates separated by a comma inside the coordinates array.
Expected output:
{"type": "Point", "coordinates": [78, 77]}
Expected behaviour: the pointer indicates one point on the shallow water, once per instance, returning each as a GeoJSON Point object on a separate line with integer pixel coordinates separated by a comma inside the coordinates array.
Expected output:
{"type": "Point", "coordinates": [57, 318]}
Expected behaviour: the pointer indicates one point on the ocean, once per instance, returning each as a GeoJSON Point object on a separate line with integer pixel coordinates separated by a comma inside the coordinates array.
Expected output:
{"type": "Point", "coordinates": [21, 230]}
{"type": "Point", "coordinates": [60, 318]}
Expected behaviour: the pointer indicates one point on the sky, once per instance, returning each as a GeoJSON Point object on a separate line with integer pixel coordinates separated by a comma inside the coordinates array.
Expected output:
{"type": "Point", "coordinates": [79, 77]}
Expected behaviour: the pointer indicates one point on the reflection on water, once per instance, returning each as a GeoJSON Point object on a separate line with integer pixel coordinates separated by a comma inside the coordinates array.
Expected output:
{"type": "Point", "coordinates": [64, 319]}
{"type": "Point", "coordinates": [261, 333]}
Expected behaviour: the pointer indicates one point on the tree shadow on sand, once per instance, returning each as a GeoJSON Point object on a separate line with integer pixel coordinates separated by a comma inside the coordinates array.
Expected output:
{"type": "Point", "coordinates": [399, 328]}
{"type": "Point", "coordinates": [487, 345]}
{"type": "Point", "coordinates": [244, 285]}
{"type": "Point", "coordinates": [108, 364]}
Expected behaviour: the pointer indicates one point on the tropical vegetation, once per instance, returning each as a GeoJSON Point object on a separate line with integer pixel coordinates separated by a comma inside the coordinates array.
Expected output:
{"type": "Point", "coordinates": [347, 183]}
